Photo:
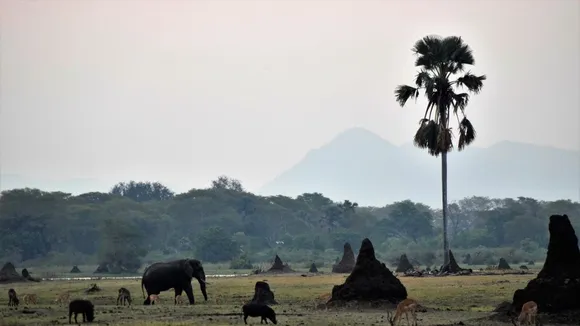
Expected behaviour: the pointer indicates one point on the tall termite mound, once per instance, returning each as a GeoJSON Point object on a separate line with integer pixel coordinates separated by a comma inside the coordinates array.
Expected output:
{"type": "Point", "coordinates": [370, 280]}
{"type": "Point", "coordinates": [557, 286]}
{"type": "Point", "coordinates": [279, 266]}
{"type": "Point", "coordinates": [346, 264]}
{"type": "Point", "coordinates": [404, 264]}
{"type": "Point", "coordinates": [263, 294]}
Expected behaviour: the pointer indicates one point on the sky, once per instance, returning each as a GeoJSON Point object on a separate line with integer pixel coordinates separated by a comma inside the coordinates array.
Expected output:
{"type": "Point", "coordinates": [183, 91]}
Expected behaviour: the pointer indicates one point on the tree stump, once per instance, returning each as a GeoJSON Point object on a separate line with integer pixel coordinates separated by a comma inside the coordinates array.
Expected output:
{"type": "Point", "coordinates": [346, 264]}
{"type": "Point", "coordinates": [557, 286]}
{"type": "Point", "coordinates": [404, 264]}
{"type": "Point", "coordinates": [370, 280]}
{"type": "Point", "coordinates": [263, 294]}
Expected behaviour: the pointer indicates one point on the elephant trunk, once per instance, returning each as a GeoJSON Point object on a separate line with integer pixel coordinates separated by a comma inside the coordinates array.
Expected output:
{"type": "Point", "coordinates": [201, 280]}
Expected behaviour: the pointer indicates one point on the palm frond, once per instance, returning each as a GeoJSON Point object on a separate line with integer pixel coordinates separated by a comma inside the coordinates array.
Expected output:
{"type": "Point", "coordinates": [426, 135]}
{"type": "Point", "coordinates": [472, 82]}
{"type": "Point", "coordinates": [460, 102]}
{"type": "Point", "coordinates": [404, 92]}
{"type": "Point", "coordinates": [444, 140]}
{"type": "Point", "coordinates": [457, 53]}
{"type": "Point", "coordinates": [466, 134]}
{"type": "Point", "coordinates": [423, 78]}
{"type": "Point", "coordinates": [428, 50]}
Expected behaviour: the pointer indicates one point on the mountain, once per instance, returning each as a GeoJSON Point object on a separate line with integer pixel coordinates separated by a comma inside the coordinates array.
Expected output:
{"type": "Point", "coordinates": [361, 166]}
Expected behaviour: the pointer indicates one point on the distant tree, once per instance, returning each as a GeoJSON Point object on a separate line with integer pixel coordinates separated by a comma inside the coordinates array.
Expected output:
{"type": "Point", "coordinates": [123, 246]}
{"type": "Point", "coordinates": [410, 220]}
{"type": "Point", "coordinates": [142, 191]}
{"type": "Point", "coordinates": [215, 245]}
{"type": "Point", "coordinates": [440, 59]}
{"type": "Point", "coordinates": [226, 183]}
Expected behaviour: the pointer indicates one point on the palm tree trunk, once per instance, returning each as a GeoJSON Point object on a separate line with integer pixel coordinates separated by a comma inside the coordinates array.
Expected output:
{"type": "Point", "coordinates": [444, 200]}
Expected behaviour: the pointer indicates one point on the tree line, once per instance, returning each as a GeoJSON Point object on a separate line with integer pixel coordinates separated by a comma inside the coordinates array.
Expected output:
{"type": "Point", "coordinates": [227, 223]}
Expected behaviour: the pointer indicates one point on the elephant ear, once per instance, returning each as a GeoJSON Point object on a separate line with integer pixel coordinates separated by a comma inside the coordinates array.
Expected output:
{"type": "Point", "coordinates": [187, 268]}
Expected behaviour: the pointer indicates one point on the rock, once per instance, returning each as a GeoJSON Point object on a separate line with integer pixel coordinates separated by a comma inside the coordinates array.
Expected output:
{"type": "Point", "coordinates": [313, 268]}
{"type": "Point", "coordinates": [503, 264]}
{"type": "Point", "coordinates": [8, 274]}
{"type": "Point", "coordinates": [557, 286]}
{"type": "Point", "coordinates": [404, 264]}
{"type": "Point", "coordinates": [279, 266]}
{"type": "Point", "coordinates": [75, 270]}
{"type": "Point", "coordinates": [452, 267]}
{"type": "Point", "coordinates": [370, 280]}
{"type": "Point", "coordinates": [263, 294]}
{"type": "Point", "coordinates": [346, 264]}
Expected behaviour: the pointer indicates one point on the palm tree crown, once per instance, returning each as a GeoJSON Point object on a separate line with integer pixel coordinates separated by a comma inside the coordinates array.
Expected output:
{"type": "Point", "coordinates": [440, 61]}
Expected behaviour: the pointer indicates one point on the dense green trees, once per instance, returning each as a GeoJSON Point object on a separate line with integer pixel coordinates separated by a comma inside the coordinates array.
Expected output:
{"type": "Point", "coordinates": [226, 223]}
{"type": "Point", "coordinates": [439, 61]}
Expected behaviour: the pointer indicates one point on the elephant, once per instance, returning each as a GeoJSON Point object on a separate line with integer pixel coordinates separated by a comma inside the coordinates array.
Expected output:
{"type": "Point", "coordinates": [176, 274]}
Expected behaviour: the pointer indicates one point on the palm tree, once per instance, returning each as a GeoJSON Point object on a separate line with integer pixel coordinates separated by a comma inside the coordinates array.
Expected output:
{"type": "Point", "coordinates": [440, 60]}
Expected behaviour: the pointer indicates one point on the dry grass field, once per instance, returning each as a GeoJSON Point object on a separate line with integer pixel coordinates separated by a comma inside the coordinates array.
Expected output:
{"type": "Point", "coordinates": [449, 300]}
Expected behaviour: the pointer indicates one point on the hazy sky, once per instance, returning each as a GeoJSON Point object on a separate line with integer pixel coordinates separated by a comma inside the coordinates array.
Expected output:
{"type": "Point", "coordinates": [184, 91]}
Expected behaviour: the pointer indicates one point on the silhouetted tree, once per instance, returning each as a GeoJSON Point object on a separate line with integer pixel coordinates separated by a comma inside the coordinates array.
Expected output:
{"type": "Point", "coordinates": [440, 59]}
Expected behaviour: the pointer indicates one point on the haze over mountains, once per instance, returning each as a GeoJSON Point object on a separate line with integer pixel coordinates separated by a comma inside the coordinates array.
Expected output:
{"type": "Point", "coordinates": [361, 166]}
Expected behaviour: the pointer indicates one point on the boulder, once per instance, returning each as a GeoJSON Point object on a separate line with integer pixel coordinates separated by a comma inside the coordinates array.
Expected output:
{"type": "Point", "coordinates": [75, 270]}
{"type": "Point", "coordinates": [346, 264]}
{"type": "Point", "coordinates": [557, 286]}
{"type": "Point", "coordinates": [404, 264]}
{"type": "Point", "coordinates": [263, 294]}
{"type": "Point", "coordinates": [370, 280]}
{"type": "Point", "coordinates": [503, 264]}
{"type": "Point", "coordinates": [313, 268]}
{"type": "Point", "coordinates": [452, 267]}
{"type": "Point", "coordinates": [279, 266]}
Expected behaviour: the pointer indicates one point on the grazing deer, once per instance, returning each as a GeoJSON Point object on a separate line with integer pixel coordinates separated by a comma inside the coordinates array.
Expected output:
{"type": "Point", "coordinates": [179, 299]}
{"type": "Point", "coordinates": [529, 312]}
{"type": "Point", "coordinates": [62, 298]}
{"type": "Point", "coordinates": [12, 298]}
{"type": "Point", "coordinates": [30, 298]}
{"type": "Point", "coordinates": [406, 306]}
{"type": "Point", "coordinates": [154, 298]}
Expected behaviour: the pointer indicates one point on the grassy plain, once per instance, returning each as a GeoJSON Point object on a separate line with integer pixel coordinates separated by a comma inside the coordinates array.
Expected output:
{"type": "Point", "coordinates": [448, 300]}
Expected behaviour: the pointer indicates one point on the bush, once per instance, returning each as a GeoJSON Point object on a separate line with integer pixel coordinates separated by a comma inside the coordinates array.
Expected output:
{"type": "Point", "coordinates": [241, 262]}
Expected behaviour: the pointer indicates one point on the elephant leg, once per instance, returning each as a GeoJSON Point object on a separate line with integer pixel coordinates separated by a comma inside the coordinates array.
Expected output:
{"type": "Point", "coordinates": [178, 291]}
{"type": "Point", "coordinates": [189, 291]}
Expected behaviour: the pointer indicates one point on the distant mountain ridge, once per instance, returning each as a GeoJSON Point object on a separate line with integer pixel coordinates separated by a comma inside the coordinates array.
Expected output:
{"type": "Point", "coordinates": [361, 166]}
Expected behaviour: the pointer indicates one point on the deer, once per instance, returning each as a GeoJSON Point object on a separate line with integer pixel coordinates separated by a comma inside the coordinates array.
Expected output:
{"type": "Point", "coordinates": [405, 306]}
{"type": "Point", "coordinates": [528, 313]}
{"type": "Point", "coordinates": [154, 298]}
{"type": "Point", "coordinates": [62, 298]}
{"type": "Point", "coordinates": [30, 298]}
{"type": "Point", "coordinates": [178, 299]}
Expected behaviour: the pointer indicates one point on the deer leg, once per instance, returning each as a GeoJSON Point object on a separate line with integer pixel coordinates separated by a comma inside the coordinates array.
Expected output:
{"type": "Point", "coordinates": [407, 315]}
